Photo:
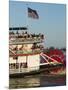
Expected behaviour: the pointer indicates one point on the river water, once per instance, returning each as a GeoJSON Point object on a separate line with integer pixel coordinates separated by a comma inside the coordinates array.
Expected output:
{"type": "Point", "coordinates": [40, 80]}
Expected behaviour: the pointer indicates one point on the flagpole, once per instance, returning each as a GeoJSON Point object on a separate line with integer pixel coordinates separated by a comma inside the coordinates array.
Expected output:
{"type": "Point", "coordinates": [27, 23]}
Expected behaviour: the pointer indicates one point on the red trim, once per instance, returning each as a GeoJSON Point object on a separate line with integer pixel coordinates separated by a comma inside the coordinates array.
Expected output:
{"type": "Point", "coordinates": [25, 54]}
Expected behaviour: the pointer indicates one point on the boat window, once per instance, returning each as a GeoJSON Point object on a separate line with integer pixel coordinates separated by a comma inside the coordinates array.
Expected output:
{"type": "Point", "coordinates": [17, 65]}
{"type": "Point", "coordinates": [23, 65]}
{"type": "Point", "coordinates": [12, 66]}
{"type": "Point", "coordinates": [15, 57]}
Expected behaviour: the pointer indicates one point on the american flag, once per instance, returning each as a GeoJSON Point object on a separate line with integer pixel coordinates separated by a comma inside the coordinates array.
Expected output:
{"type": "Point", "coordinates": [32, 13]}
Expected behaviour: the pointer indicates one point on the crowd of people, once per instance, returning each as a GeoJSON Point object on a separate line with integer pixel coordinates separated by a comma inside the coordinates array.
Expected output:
{"type": "Point", "coordinates": [26, 35]}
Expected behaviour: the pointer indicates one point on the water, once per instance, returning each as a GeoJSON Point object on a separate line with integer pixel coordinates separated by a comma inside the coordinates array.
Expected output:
{"type": "Point", "coordinates": [41, 80]}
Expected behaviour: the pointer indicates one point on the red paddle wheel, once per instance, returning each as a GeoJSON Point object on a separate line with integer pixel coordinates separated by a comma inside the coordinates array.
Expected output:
{"type": "Point", "coordinates": [58, 56]}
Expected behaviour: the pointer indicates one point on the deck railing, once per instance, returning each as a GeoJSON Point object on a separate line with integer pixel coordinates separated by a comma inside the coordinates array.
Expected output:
{"type": "Point", "coordinates": [20, 41]}
{"type": "Point", "coordinates": [23, 70]}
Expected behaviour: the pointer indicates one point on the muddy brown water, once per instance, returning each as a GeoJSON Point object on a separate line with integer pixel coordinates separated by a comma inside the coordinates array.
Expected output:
{"type": "Point", "coordinates": [40, 80]}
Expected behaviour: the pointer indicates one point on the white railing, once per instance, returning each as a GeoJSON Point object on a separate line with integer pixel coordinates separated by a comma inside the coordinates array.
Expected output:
{"type": "Point", "coordinates": [24, 41]}
{"type": "Point", "coordinates": [23, 70]}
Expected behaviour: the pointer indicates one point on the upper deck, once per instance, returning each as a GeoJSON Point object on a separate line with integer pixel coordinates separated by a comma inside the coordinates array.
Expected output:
{"type": "Point", "coordinates": [23, 37]}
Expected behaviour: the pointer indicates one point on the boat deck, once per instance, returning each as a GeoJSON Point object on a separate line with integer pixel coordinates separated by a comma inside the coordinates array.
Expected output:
{"type": "Point", "coordinates": [25, 72]}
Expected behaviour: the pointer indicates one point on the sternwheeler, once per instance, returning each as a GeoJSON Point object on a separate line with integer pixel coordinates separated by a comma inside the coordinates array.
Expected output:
{"type": "Point", "coordinates": [25, 52]}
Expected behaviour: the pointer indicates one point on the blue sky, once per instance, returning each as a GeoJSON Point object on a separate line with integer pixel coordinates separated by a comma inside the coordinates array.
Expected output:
{"type": "Point", "coordinates": [51, 22]}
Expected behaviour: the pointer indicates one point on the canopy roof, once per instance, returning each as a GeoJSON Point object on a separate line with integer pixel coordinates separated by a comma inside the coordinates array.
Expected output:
{"type": "Point", "coordinates": [18, 28]}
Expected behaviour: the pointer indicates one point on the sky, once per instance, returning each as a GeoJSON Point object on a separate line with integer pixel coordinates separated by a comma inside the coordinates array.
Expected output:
{"type": "Point", "coordinates": [51, 22]}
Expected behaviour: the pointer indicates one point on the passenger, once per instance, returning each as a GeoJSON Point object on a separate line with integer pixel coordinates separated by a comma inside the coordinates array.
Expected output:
{"type": "Point", "coordinates": [26, 32]}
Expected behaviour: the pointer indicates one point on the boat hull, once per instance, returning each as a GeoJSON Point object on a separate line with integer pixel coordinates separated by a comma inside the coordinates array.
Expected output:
{"type": "Point", "coordinates": [43, 69]}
